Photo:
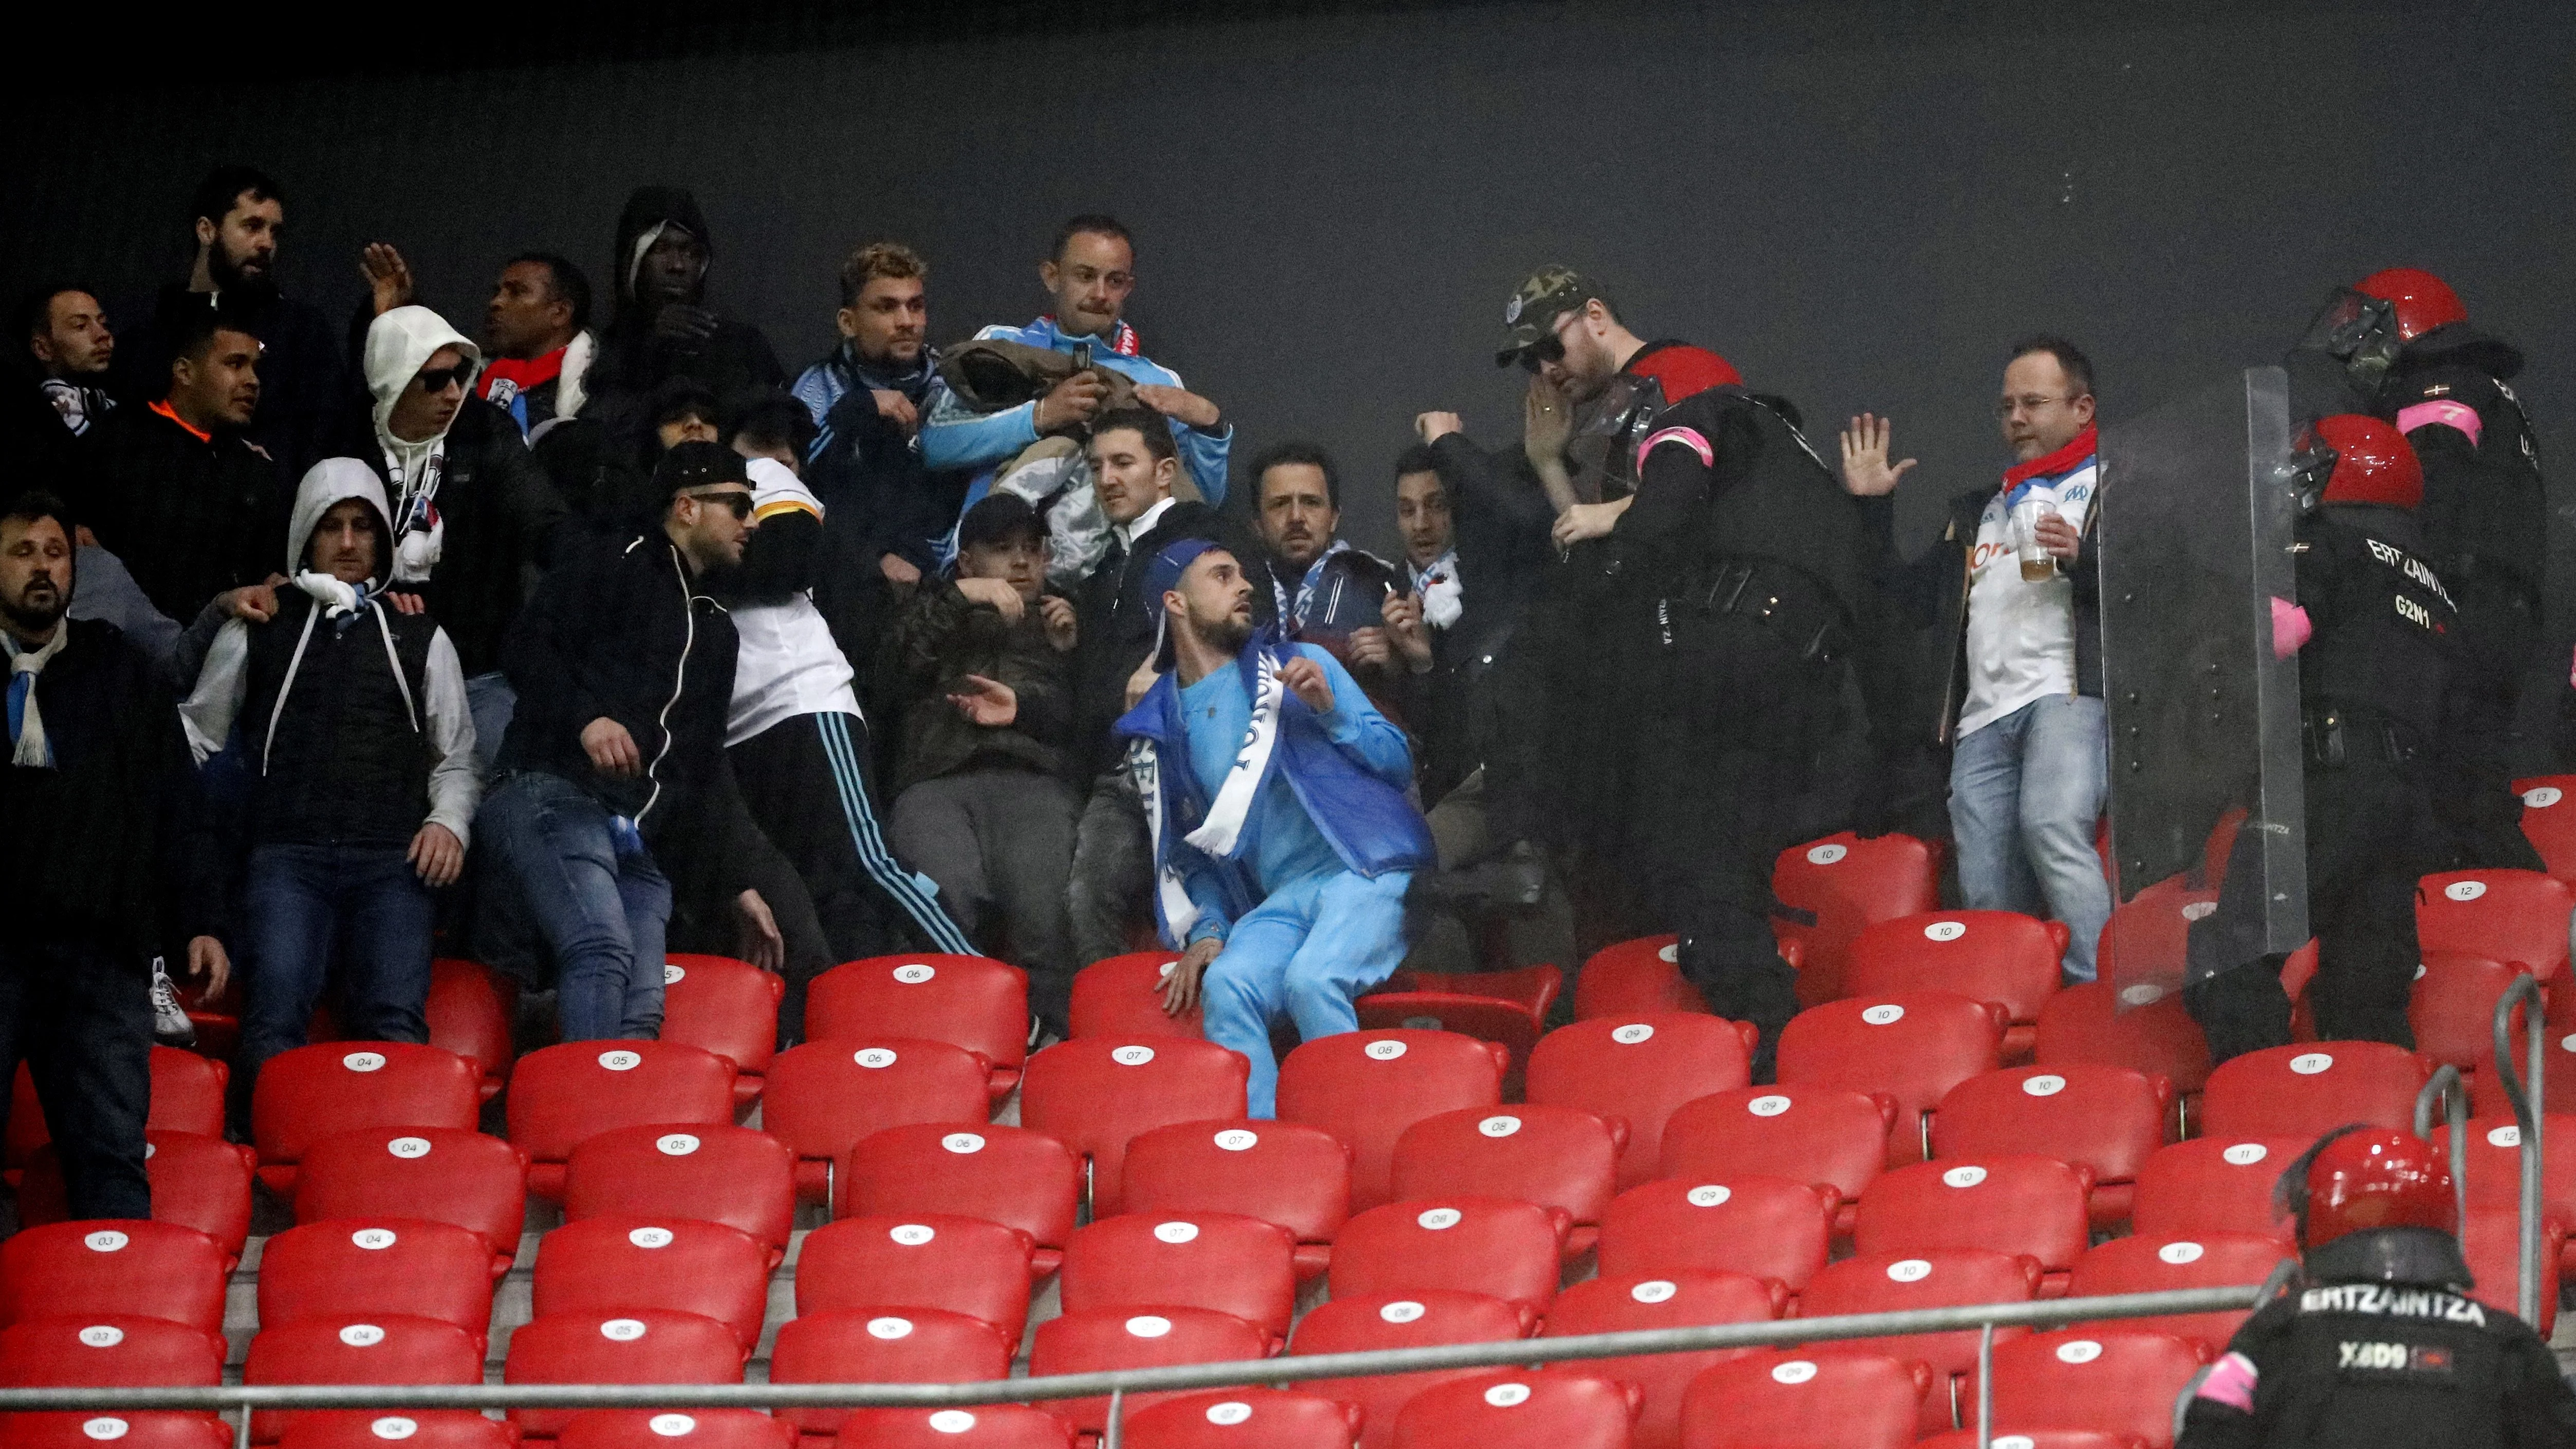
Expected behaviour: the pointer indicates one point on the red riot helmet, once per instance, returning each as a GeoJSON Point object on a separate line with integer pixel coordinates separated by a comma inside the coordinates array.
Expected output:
{"type": "Point", "coordinates": [2358, 1178]}
{"type": "Point", "coordinates": [2423, 301]}
{"type": "Point", "coordinates": [2363, 459]}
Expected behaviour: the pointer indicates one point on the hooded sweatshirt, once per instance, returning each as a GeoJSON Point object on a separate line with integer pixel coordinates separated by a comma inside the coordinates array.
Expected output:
{"type": "Point", "coordinates": [633, 358]}
{"type": "Point", "coordinates": [353, 715]}
{"type": "Point", "coordinates": [399, 344]}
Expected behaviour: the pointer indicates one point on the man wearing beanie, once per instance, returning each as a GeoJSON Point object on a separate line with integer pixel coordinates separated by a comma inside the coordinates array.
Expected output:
{"type": "Point", "coordinates": [1283, 837]}
{"type": "Point", "coordinates": [624, 670]}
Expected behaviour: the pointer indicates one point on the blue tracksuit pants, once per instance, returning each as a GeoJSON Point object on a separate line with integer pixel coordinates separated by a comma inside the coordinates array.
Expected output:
{"type": "Point", "coordinates": [1305, 954]}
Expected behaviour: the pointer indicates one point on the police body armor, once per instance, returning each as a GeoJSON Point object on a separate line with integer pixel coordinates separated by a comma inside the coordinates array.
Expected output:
{"type": "Point", "coordinates": [2484, 511]}
{"type": "Point", "coordinates": [2371, 680]}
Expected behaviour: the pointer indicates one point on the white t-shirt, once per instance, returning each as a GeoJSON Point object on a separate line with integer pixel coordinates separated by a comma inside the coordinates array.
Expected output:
{"type": "Point", "coordinates": [787, 663]}
{"type": "Point", "coordinates": [2021, 635]}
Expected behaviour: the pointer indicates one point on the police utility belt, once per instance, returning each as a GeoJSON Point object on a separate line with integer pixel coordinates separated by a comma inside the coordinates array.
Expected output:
{"type": "Point", "coordinates": [2337, 735]}
{"type": "Point", "coordinates": [1775, 595]}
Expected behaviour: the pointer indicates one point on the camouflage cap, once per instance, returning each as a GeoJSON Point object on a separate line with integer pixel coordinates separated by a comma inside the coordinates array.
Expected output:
{"type": "Point", "coordinates": [1531, 315]}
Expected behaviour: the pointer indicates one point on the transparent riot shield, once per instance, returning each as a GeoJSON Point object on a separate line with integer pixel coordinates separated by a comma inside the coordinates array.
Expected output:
{"type": "Point", "coordinates": [2195, 531]}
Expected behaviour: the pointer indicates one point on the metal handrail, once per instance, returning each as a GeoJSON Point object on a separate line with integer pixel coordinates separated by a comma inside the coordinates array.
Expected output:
{"type": "Point", "coordinates": [2524, 1096]}
{"type": "Point", "coordinates": [1126, 1382]}
{"type": "Point", "coordinates": [2447, 1087]}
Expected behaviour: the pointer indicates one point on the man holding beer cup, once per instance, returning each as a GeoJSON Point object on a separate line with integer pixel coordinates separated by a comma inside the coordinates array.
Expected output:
{"type": "Point", "coordinates": [2028, 744]}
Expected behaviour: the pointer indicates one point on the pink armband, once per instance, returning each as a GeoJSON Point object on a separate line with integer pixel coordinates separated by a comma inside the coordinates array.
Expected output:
{"type": "Point", "coordinates": [2443, 411]}
{"type": "Point", "coordinates": [1688, 437]}
{"type": "Point", "coordinates": [2290, 627]}
{"type": "Point", "coordinates": [2231, 1382]}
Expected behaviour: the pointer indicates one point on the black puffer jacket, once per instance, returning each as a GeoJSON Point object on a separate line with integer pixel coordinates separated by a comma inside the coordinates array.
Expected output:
{"type": "Point", "coordinates": [941, 637]}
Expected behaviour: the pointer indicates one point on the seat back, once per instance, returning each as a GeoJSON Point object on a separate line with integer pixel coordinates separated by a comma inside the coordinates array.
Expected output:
{"type": "Point", "coordinates": [378, 1348]}
{"type": "Point", "coordinates": [882, 1346]}
{"type": "Point", "coordinates": [2495, 1161]}
{"type": "Point", "coordinates": [1850, 884]}
{"type": "Point", "coordinates": [1414, 1319]}
{"type": "Point", "coordinates": [1119, 1338]}
{"type": "Point", "coordinates": [2215, 1185]}
{"type": "Point", "coordinates": [1982, 955]}
{"type": "Point", "coordinates": [2306, 1091]}
{"type": "Point", "coordinates": [2549, 821]}
{"type": "Point", "coordinates": [128, 1430]}
{"type": "Point", "coordinates": [1366, 1087]}
{"type": "Point", "coordinates": [726, 1006]}
{"type": "Point", "coordinates": [2517, 916]}
{"type": "Point", "coordinates": [2452, 1008]}
{"type": "Point", "coordinates": [2106, 1118]}
{"type": "Point", "coordinates": [367, 1267]}
{"type": "Point", "coordinates": [714, 1173]}
{"type": "Point", "coordinates": [985, 1426]}
{"type": "Point", "coordinates": [1242, 1418]}
{"type": "Point", "coordinates": [2143, 1264]}
{"type": "Point", "coordinates": [476, 1182]}
{"type": "Point", "coordinates": [1639, 1069]}
{"type": "Point", "coordinates": [2491, 1240]}
{"type": "Point", "coordinates": [468, 1012]}
{"type": "Point", "coordinates": [108, 1350]}
{"type": "Point", "coordinates": [823, 1097]}
{"type": "Point", "coordinates": [620, 1261]}
{"type": "Point", "coordinates": [404, 1429]}
{"type": "Point", "coordinates": [197, 1182]}
{"type": "Point", "coordinates": [1914, 1046]}
{"type": "Point", "coordinates": [1635, 978]}
{"type": "Point", "coordinates": [670, 1429]}
{"type": "Point", "coordinates": [1095, 1094]}
{"type": "Point", "coordinates": [1507, 1008]}
{"type": "Point", "coordinates": [2088, 1023]}
{"type": "Point", "coordinates": [1564, 1410]}
{"type": "Point", "coordinates": [1684, 1299]}
{"type": "Point", "coordinates": [2012, 1203]}
{"type": "Point", "coordinates": [1503, 1247]}
{"type": "Point", "coordinates": [937, 1260]}
{"type": "Point", "coordinates": [1008, 1175]}
{"type": "Point", "coordinates": [1805, 1400]}
{"type": "Point", "coordinates": [1237, 1265]}
{"type": "Point", "coordinates": [1887, 1282]}
{"type": "Point", "coordinates": [1832, 1138]}
{"type": "Point", "coordinates": [624, 1346]}
{"type": "Point", "coordinates": [1121, 996]}
{"type": "Point", "coordinates": [114, 1266]}
{"type": "Point", "coordinates": [967, 1001]}
{"type": "Point", "coordinates": [1281, 1172]}
{"type": "Point", "coordinates": [1767, 1227]}
{"type": "Point", "coordinates": [313, 1092]}
{"type": "Point", "coordinates": [560, 1096]}
{"type": "Point", "coordinates": [1557, 1157]}
{"type": "Point", "coordinates": [2112, 1380]}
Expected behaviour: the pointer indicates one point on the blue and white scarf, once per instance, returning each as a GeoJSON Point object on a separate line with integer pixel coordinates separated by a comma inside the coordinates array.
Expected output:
{"type": "Point", "coordinates": [1220, 832]}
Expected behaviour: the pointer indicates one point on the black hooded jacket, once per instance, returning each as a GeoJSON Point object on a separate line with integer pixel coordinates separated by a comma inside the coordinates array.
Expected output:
{"type": "Point", "coordinates": [634, 359]}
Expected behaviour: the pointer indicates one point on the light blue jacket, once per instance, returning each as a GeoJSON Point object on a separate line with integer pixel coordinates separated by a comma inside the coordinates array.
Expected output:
{"type": "Point", "coordinates": [956, 438]}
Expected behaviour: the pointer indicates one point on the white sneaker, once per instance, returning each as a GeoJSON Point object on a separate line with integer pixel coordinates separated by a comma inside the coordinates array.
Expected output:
{"type": "Point", "coordinates": [170, 1023]}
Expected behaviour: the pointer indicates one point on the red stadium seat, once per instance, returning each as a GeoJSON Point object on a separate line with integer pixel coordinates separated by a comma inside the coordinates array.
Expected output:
{"type": "Point", "coordinates": [562, 1095]}
{"type": "Point", "coordinates": [1244, 1418]}
{"type": "Point", "coordinates": [364, 1268]}
{"type": "Point", "coordinates": [1508, 1008]}
{"type": "Point", "coordinates": [469, 1011]}
{"type": "Point", "coordinates": [1914, 1047]}
{"type": "Point", "coordinates": [1122, 996]}
{"type": "Point", "coordinates": [1280, 1172]}
{"type": "Point", "coordinates": [1123, 1338]}
{"type": "Point", "coordinates": [313, 1092]}
{"type": "Point", "coordinates": [1982, 955]}
{"type": "Point", "coordinates": [610, 1264]}
{"type": "Point", "coordinates": [1639, 1070]}
{"type": "Point", "coordinates": [387, 1348]}
{"type": "Point", "coordinates": [2549, 821]}
{"type": "Point", "coordinates": [2495, 1162]}
{"type": "Point", "coordinates": [883, 1346]}
{"type": "Point", "coordinates": [1928, 1278]}
{"type": "Point", "coordinates": [126, 1430]}
{"type": "Point", "coordinates": [2492, 1242]}
{"type": "Point", "coordinates": [953, 1264]}
{"type": "Point", "coordinates": [1400, 1320]}
{"type": "Point", "coordinates": [1767, 1227]}
{"type": "Point", "coordinates": [1558, 1157]}
{"type": "Point", "coordinates": [1568, 1410]}
{"type": "Point", "coordinates": [110, 1266]}
{"type": "Point", "coordinates": [1237, 1265]}
{"type": "Point", "coordinates": [1685, 1298]}
{"type": "Point", "coordinates": [968, 1001]}
{"type": "Point", "coordinates": [671, 1429]}
{"type": "Point", "coordinates": [1366, 1087]}
{"type": "Point", "coordinates": [1805, 1400]}
{"type": "Point", "coordinates": [2308, 1091]}
{"type": "Point", "coordinates": [2159, 1039]}
{"type": "Point", "coordinates": [2108, 1119]}
{"type": "Point", "coordinates": [187, 1096]}
{"type": "Point", "coordinates": [2214, 1185]}
{"type": "Point", "coordinates": [476, 1182]}
{"type": "Point", "coordinates": [823, 1097]}
{"type": "Point", "coordinates": [718, 1174]}
{"type": "Point", "coordinates": [2035, 1439]}
{"type": "Point", "coordinates": [728, 1007]}
{"type": "Point", "coordinates": [1008, 1175]}
{"type": "Point", "coordinates": [1508, 1249]}
{"type": "Point", "coordinates": [1635, 978]}
{"type": "Point", "coordinates": [407, 1429]}
{"type": "Point", "coordinates": [2452, 1008]}
{"type": "Point", "coordinates": [1095, 1094]}
{"type": "Point", "coordinates": [108, 1350]}
{"type": "Point", "coordinates": [2111, 1380]}
{"type": "Point", "coordinates": [197, 1182]}
{"type": "Point", "coordinates": [2558, 1079]}
{"type": "Point", "coordinates": [2142, 1264]}
{"type": "Point", "coordinates": [2011, 1202]}
{"type": "Point", "coordinates": [1834, 1140]}
{"type": "Point", "coordinates": [1850, 884]}
{"type": "Point", "coordinates": [985, 1426]}
{"type": "Point", "coordinates": [629, 1346]}
{"type": "Point", "coordinates": [2515, 916]}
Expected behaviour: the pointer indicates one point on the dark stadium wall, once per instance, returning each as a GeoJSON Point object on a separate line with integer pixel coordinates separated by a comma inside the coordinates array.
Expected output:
{"type": "Point", "coordinates": [1858, 204]}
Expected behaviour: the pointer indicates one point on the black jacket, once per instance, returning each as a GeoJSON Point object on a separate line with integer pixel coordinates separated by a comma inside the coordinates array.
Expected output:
{"type": "Point", "coordinates": [190, 517]}
{"type": "Point", "coordinates": [869, 469]}
{"type": "Point", "coordinates": [304, 370]}
{"type": "Point", "coordinates": [634, 359]}
{"type": "Point", "coordinates": [1118, 625]}
{"type": "Point", "coordinates": [2485, 516]}
{"type": "Point", "coordinates": [1500, 525]}
{"type": "Point", "coordinates": [94, 844]}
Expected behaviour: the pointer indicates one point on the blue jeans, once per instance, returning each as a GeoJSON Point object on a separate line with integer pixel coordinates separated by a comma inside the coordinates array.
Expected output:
{"type": "Point", "coordinates": [2025, 797]}
{"type": "Point", "coordinates": [600, 910]}
{"type": "Point", "coordinates": [489, 702]}
{"type": "Point", "coordinates": [299, 902]}
{"type": "Point", "coordinates": [1305, 953]}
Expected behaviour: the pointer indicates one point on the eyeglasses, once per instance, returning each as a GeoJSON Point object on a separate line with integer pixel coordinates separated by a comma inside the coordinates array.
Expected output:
{"type": "Point", "coordinates": [1550, 348]}
{"type": "Point", "coordinates": [2027, 403]}
{"type": "Point", "coordinates": [739, 502]}
{"type": "Point", "coordinates": [440, 379]}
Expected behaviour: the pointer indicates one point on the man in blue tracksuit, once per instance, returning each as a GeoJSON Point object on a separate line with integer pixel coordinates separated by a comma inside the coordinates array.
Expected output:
{"type": "Point", "coordinates": [1090, 274]}
{"type": "Point", "coordinates": [1283, 838]}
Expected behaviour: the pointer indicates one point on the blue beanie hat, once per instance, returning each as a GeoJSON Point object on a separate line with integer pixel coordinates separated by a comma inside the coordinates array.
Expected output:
{"type": "Point", "coordinates": [1162, 575]}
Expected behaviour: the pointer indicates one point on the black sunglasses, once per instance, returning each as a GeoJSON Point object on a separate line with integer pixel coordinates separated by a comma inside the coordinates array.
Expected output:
{"type": "Point", "coordinates": [440, 379]}
{"type": "Point", "coordinates": [1550, 348]}
{"type": "Point", "coordinates": [740, 503]}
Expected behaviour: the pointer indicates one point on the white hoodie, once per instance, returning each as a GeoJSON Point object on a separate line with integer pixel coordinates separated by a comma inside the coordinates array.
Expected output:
{"type": "Point", "coordinates": [785, 662]}
{"type": "Point", "coordinates": [399, 344]}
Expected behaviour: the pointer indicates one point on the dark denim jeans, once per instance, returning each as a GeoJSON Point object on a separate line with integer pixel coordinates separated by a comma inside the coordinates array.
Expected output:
{"type": "Point", "coordinates": [601, 913]}
{"type": "Point", "coordinates": [79, 1014]}
{"type": "Point", "coordinates": [305, 904]}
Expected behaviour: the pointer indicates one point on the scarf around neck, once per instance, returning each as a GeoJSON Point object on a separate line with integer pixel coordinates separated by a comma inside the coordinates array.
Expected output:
{"type": "Point", "coordinates": [1220, 832]}
{"type": "Point", "coordinates": [1294, 609]}
{"type": "Point", "coordinates": [1443, 594]}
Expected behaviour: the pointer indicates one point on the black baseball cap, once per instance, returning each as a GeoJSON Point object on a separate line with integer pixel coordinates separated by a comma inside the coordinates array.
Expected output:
{"type": "Point", "coordinates": [996, 518]}
{"type": "Point", "coordinates": [698, 465]}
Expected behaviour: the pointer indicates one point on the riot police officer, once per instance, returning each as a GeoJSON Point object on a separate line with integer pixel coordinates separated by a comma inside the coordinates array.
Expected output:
{"type": "Point", "coordinates": [1739, 563]}
{"type": "Point", "coordinates": [2410, 356]}
{"type": "Point", "coordinates": [2373, 628]}
{"type": "Point", "coordinates": [2376, 1343]}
